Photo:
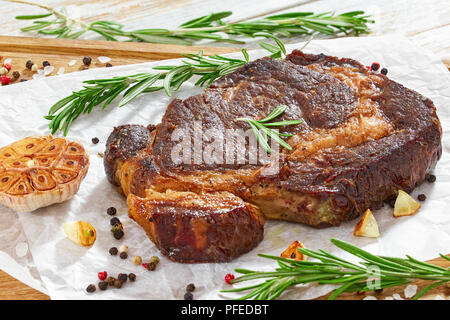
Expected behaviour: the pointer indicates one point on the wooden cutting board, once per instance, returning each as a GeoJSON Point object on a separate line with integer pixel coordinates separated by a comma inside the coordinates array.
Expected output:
{"type": "Point", "coordinates": [60, 52]}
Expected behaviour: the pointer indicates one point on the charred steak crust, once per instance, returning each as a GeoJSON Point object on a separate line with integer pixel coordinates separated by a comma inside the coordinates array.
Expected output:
{"type": "Point", "coordinates": [363, 138]}
{"type": "Point", "coordinates": [189, 227]}
{"type": "Point", "coordinates": [122, 144]}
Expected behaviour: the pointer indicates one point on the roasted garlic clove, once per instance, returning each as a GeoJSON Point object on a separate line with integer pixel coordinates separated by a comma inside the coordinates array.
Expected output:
{"type": "Point", "coordinates": [80, 232]}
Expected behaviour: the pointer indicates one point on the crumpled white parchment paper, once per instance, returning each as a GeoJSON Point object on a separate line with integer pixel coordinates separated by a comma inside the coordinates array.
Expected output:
{"type": "Point", "coordinates": [34, 248]}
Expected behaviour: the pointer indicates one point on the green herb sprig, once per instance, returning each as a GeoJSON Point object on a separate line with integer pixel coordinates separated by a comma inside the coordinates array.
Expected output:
{"type": "Point", "coordinates": [262, 128]}
{"type": "Point", "coordinates": [211, 27]}
{"type": "Point", "coordinates": [169, 78]}
{"type": "Point", "coordinates": [351, 277]}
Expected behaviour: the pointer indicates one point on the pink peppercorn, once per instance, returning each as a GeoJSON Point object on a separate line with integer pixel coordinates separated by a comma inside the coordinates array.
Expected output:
{"type": "Point", "coordinates": [102, 275]}
{"type": "Point", "coordinates": [7, 66]}
{"type": "Point", "coordinates": [5, 80]}
{"type": "Point", "coordinates": [229, 277]}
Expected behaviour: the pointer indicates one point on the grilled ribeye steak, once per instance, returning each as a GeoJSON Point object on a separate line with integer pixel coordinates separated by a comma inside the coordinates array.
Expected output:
{"type": "Point", "coordinates": [363, 137]}
{"type": "Point", "coordinates": [191, 227]}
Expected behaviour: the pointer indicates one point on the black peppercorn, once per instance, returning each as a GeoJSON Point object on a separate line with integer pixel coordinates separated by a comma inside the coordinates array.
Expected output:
{"type": "Point", "coordinates": [431, 178]}
{"type": "Point", "coordinates": [45, 63]}
{"type": "Point", "coordinates": [188, 296]}
{"type": "Point", "coordinates": [16, 74]}
{"type": "Point", "coordinates": [118, 234]}
{"type": "Point", "coordinates": [110, 281]}
{"type": "Point", "coordinates": [90, 288]}
{"type": "Point", "coordinates": [384, 71]}
{"type": "Point", "coordinates": [422, 197]}
{"type": "Point", "coordinates": [132, 277]}
{"type": "Point", "coordinates": [23, 80]}
{"type": "Point", "coordinates": [108, 65]}
{"type": "Point", "coordinates": [375, 66]}
{"type": "Point", "coordinates": [29, 64]}
{"type": "Point", "coordinates": [117, 283]}
{"type": "Point", "coordinates": [190, 287]}
{"type": "Point", "coordinates": [123, 277]}
{"type": "Point", "coordinates": [151, 266]}
{"type": "Point", "coordinates": [102, 285]}
{"type": "Point", "coordinates": [379, 290]}
{"type": "Point", "coordinates": [111, 211]}
{"type": "Point", "coordinates": [95, 140]}
{"type": "Point", "coordinates": [113, 251]}
{"type": "Point", "coordinates": [87, 61]}
{"type": "Point", "coordinates": [114, 221]}
{"type": "Point", "coordinates": [123, 255]}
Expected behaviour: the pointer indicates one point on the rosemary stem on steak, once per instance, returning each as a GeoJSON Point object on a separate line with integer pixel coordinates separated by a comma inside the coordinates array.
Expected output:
{"type": "Point", "coordinates": [168, 78]}
{"type": "Point", "coordinates": [210, 27]}
{"type": "Point", "coordinates": [329, 269]}
{"type": "Point", "coordinates": [262, 130]}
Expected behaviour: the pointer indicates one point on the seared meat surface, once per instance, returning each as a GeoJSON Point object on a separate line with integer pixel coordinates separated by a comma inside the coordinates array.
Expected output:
{"type": "Point", "coordinates": [190, 227]}
{"type": "Point", "coordinates": [363, 137]}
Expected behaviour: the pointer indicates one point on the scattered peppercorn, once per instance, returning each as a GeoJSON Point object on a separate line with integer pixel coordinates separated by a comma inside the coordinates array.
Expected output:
{"type": "Point", "coordinates": [431, 178]}
{"type": "Point", "coordinates": [45, 63]}
{"type": "Point", "coordinates": [23, 80]}
{"type": "Point", "coordinates": [379, 290]}
{"type": "Point", "coordinates": [116, 227]}
{"type": "Point", "coordinates": [34, 68]}
{"type": "Point", "coordinates": [110, 281]}
{"type": "Point", "coordinates": [123, 248]}
{"type": "Point", "coordinates": [150, 266]}
{"type": "Point", "coordinates": [118, 234]}
{"type": "Point", "coordinates": [7, 66]}
{"type": "Point", "coordinates": [154, 259]}
{"type": "Point", "coordinates": [137, 260]}
{"type": "Point", "coordinates": [5, 80]}
{"type": "Point", "coordinates": [117, 283]}
{"type": "Point", "coordinates": [188, 296]}
{"type": "Point", "coordinates": [90, 288]}
{"type": "Point", "coordinates": [123, 277]}
{"type": "Point", "coordinates": [87, 61]}
{"type": "Point", "coordinates": [113, 251]}
{"type": "Point", "coordinates": [111, 211]}
{"type": "Point", "coordinates": [114, 221]}
{"type": "Point", "coordinates": [102, 285]}
{"type": "Point", "coordinates": [16, 74]}
{"type": "Point", "coordinates": [384, 71]}
{"type": "Point", "coordinates": [95, 140]}
{"type": "Point", "coordinates": [422, 197]}
{"type": "Point", "coordinates": [132, 277]}
{"type": "Point", "coordinates": [3, 71]}
{"type": "Point", "coordinates": [229, 277]}
{"type": "Point", "coordinates": [190, 287]}
{"type": "Point", "coordinates": [102, 275]}
{"type": "Point", "coordinates": [123, 255]}
{"type": "Point", "coordinates": [108, 65]}
{"type": "Point", "coordinates": [375, 66]}
{"type": "Point", "coordinates": [29, 64]}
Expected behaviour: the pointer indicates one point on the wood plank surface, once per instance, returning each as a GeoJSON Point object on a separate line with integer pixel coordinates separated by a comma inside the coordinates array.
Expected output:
{"type": "Point", "coordinates": [60, 52]}
{"type": "Point", "coordinates": [427, 23]}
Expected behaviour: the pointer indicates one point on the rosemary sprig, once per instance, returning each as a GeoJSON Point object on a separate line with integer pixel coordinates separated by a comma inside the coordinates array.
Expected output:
{"type": "Point", "coordinates": [329, 269]}
{"type": "Point", "coordinates": [168, 78]}
{"type": "Point", "coordinates": [210, 27]}
{"type": "Point", "coordinates": [262, 130]}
